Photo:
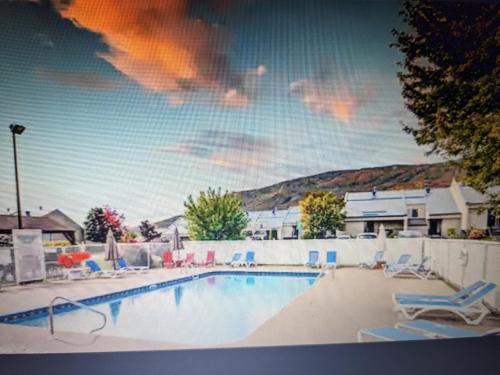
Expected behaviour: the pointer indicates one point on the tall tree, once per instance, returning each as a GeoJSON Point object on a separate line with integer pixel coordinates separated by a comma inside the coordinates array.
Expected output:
{"type": "Point", "coordinates": [321, 212]}
{"type": "Point", "coordinates": [100, 220]}
{"type": "Point", "coordinates": [148, 231]}
{"type": "Point", "coordinates": [451, 81]}
{"type": "Point", "coordinates": [215, 216]}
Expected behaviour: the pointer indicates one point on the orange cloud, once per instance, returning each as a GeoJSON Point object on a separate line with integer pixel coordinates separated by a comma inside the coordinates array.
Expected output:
{"type": "Point", "coordinates": [85, 80]}
{"type": "Point", "coordinates": [325, 95]}
{"type": "Point", "coordinates": [158, 45]}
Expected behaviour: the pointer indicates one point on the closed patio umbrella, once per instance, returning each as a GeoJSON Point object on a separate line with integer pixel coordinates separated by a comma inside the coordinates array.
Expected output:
{"type": "Point", "coordinates": [382, 243]}
{"type": "Point", "coordinates": [111, 251]}
{"type": "Point", "coordinates": [177, 243]}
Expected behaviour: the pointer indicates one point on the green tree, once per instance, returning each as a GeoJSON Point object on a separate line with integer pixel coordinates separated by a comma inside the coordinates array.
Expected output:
{"type": "Point", "coordinates": [321, 212]}
{"type": "Point", "coordinates": [148, 231]}
{"type": "Point", "coordinates": [100, 220]}
{"type": "Point", "coordinates": [451, 81]}
{"type": "Point", "coordinates": [215, 216]}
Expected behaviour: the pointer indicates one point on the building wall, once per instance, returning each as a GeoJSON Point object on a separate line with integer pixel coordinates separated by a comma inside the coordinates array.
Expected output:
{"type": "Point", "coordinates": [478, 220]}
{"type": "Point", "coordinates": [450, 223]}
{"type": "Point", "coordinates": [419, 207]}
{"type": "Point", "coordinates": [354, 227]}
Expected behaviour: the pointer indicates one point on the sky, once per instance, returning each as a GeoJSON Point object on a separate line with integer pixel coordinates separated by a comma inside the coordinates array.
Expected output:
{"type": "Point", "coordinates": [138, 104]}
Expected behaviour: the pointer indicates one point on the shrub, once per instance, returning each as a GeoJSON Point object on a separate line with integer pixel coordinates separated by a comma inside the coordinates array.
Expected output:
{"type": "Point", "coordinates": [451, 233]}
{"type": "Point", "coordinates": [476, 234]}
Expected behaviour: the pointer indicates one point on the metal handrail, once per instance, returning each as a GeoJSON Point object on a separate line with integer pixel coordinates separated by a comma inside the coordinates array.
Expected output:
{"type": "Point", "coordinates": [81, 305]}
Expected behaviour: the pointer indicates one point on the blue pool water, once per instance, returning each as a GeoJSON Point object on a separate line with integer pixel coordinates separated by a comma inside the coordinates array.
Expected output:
{"type": "Point", "coordinates": [210, 310]}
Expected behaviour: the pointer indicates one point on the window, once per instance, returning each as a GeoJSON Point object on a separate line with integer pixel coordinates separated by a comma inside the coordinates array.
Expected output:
{"type": "Point", "coordinates": [414, 212]}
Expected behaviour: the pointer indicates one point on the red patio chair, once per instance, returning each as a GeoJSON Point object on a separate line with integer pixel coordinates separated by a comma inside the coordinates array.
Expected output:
{"type": "Point", "coordinates": [168, 261]}
{"type": "Point", "coordinates": [210, 261]}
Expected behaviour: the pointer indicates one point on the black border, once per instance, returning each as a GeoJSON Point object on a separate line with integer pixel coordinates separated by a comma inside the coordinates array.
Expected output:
{"type": "Point", "coordinates": [445, 357]}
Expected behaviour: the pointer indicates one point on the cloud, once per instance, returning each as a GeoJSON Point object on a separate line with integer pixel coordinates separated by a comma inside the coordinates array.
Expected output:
{"type": "Point", "coordinates": [157, 44]}
{"type": "Point", "coordinates": [326, 95]}
{"type": "Point", "coordinates": [44, 40]}
{"type": "Point", "coordinates": [229, 150]}
{"type": "Point", "coordinates": [85, 80]}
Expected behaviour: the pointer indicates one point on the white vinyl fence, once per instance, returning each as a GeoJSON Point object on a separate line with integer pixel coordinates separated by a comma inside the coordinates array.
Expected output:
{"type": "Point", "coordinates": [461, 262]}
{"type": "Point", "coordinates": [294, 252]}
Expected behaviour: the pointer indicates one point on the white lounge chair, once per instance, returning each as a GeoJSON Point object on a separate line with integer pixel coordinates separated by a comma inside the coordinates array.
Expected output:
{"type": "Point", "coordinates": [437, 330]}
{"type": "Point", "coordinates": [420, 330]}
{"type": "Point", "coordinates": [122, 264]}
{"type": "Point", "coordinates": [97, 271]}
{"type": "Point", "coordinates": [456, 297]}
{"type": "Point", "coordinates": [379, 256]}
{"type": "Point", "coordinates": [402, 262]}
{"type": "Point", "coordinates": [389, 334]}
{"type": "Point", "coordinates": [419, 270]}
{"type": "Point", "coordinates": [235, 261]}
{"type": "Point", "coordinates": [471, 308]}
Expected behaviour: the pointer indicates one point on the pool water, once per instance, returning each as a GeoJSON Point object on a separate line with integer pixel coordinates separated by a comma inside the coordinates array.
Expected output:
{"type": "Point", "coordinates": [210, 310]}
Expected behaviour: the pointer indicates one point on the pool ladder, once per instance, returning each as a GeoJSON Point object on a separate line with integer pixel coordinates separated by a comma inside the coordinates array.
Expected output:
{"type": "Point", "coordinates": [78, 304]}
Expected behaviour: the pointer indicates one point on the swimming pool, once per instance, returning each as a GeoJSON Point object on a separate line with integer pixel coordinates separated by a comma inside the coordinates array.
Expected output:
{"type": "Point", "coordinates": [215, 308]}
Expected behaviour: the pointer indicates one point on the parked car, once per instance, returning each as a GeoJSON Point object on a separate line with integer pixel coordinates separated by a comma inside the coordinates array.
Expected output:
{"type": "Point", "coordinates": [259, 235]}
{"type": "Point", "coordinates": [409, 234]}
{"type": "Point", "coordinates": [367, 236]}
{"type": "Point", "coordinates": [343, 237]}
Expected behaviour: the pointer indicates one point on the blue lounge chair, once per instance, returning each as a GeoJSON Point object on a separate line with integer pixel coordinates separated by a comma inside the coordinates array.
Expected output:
{"type": "Point", "coordinates": [471, 309]}
{"type": "Point", "coordinates": [122, 264]}
{"type": "Point", "coordinates": [250, 259]}
{"type": "Point", "coordinates": [313, 259]}
{"type": "Point", "coordinates": [422, 271]}
{"type": "Point", "coordinates": [331, 259]}
{"type": "Point", "coordinates": [455, 297]}
{"type": "Point", "coordinates": [235, 261]}
{"type": "Point", "coordinates": [390, 334]}
{"type": "Point", "coordinates": [379, 256]}
{"type": "Point", "coordinates": [437, 330]}
{"type": "Point", "coordinates": [97, 271]}
{"type": "Point", "coordinates": [420, 330]}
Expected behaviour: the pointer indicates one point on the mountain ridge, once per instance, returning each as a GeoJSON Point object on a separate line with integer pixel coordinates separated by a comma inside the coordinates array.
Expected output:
{"type": "Point", "coordinates": [397, 176]}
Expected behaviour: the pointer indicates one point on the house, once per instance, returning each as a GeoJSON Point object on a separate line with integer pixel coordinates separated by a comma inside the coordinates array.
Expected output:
{"type": "Point", "coordinates": [438, 211]}
{"type": "Point", "coordinates": [167, 227]}
{"type": "Point", "coordinates": [55, 226]}
{"type": "Point", "coordinates": [276, 224]}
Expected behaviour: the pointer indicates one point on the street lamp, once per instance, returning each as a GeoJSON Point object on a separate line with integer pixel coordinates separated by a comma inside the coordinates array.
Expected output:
{"type": "Point", "coordinates": [17, 129]}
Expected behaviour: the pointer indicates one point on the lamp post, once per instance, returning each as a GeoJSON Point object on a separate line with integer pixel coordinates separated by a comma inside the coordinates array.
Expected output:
{"type": "Point", "coordinates": [17, 129]}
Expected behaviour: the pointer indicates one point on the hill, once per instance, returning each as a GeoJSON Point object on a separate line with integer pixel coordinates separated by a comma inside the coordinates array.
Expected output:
{"type": "Point", "coordinates": [288, 193]}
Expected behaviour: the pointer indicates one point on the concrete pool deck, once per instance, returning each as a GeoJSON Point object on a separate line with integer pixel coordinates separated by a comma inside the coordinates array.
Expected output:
{"type": "Point", "coordinates": [331, 311]}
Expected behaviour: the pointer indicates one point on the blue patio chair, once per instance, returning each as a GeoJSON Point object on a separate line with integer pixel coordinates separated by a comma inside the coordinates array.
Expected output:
{"type": "Point", "coordinates": [313, 259]}
{"type": "Point", "coordinates": [331, 259]}
{"type": "Point", "coordinates": [250, 259]}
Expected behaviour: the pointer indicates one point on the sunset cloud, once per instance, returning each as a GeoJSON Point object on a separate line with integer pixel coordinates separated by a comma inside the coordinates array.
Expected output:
{"type": "Point", "coordinates": [324, 94]}
{"type": "Point", "coordinates": [158, 45]}
{"type": "Point", "coordinates": [84, 80]}
{"type": "Point", "coordinates": [229, 150]}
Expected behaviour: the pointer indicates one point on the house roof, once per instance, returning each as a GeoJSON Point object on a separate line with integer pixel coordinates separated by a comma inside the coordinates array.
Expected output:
{"type": "Point", "coordinates": [472, 196]}
{"type": "Point", "coordinates": [269, 219]}
{"type": "Point", "coordinates": [167, 222]}
{"type": "Point", "coordinates": [390, 203]}
{"type": "Point", "coordinates": [46, 224]}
